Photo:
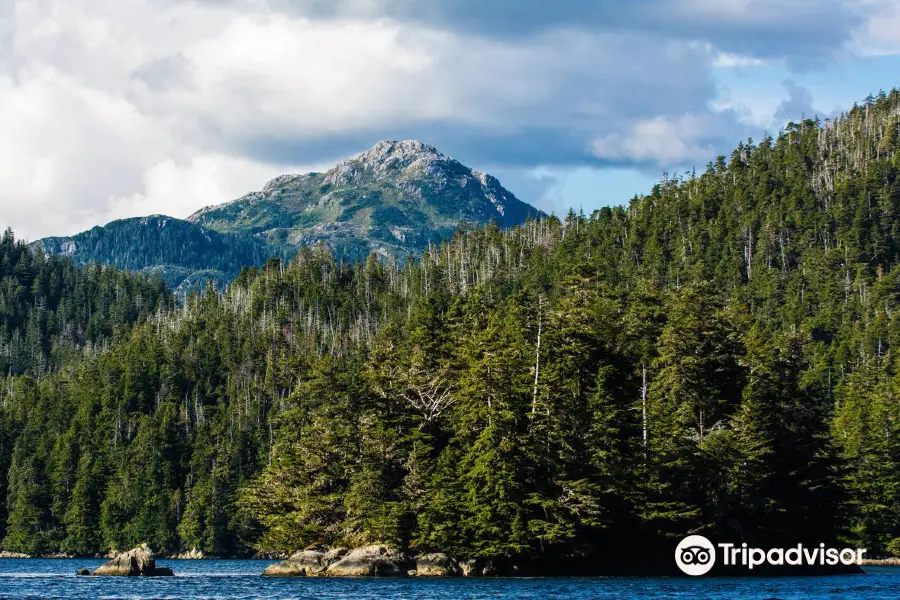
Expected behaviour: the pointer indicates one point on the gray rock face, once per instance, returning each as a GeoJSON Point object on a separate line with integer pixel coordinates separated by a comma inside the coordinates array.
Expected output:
{"type": "Point", "coordinates": [387, 158]}
{"type": "Point", "coordinates": [436, 564]}
{"type": "Point", "coordinates": [472, 567]}
{"type": "Point", "coordinates": [371, 561]}
{"type": "Point", "coordinates": [334, 555]}
{"type": "Point", "coordinates": [192, 554]}
{"type": "Point", "coordinates": [305, 563]}
{"type": "Point", "coordinates": [136, 562]}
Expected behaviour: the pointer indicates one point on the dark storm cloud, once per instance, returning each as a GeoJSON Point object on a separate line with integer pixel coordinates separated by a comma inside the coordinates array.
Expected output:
{"type": "Point", "coordinates": [522, 148]}
{"type": "Point", "coordinates": [542, 100]}
{"type": "Point", "coordinates": [804, 32]}
{"type": "Point", "coordinates": [601, 72]}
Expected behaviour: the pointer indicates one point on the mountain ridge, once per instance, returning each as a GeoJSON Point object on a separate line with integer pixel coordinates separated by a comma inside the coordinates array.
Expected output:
{"type": "Point", "coordinates": [395, 198]}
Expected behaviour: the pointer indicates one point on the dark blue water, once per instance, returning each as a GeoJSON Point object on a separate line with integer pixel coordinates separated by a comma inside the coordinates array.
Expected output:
{"type": "Point", "coordinates": [241, 579]}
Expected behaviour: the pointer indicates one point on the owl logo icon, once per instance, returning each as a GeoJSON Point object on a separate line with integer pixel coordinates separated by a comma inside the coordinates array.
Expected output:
{"type": "Point", "coordinates": [695, 555]}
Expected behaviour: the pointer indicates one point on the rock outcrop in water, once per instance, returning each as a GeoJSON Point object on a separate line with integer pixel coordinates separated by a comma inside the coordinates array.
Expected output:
{"type": "Point", "coordinates": [137, 562]}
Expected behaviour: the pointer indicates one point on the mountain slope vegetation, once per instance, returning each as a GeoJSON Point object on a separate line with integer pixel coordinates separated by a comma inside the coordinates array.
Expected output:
{"type": "Point", "coordinates": [52, 312]}
{"type": "Point", "coordinates": [181, 253]}
{"type": "Point", "coordinates": [396, 198]}
{"type": "Point", "coordinates": [720, 356]}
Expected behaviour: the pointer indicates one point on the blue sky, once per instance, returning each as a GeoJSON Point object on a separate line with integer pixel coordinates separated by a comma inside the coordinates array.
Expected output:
{"type": "Point", "coordinates": [759, 90]}
{"type": "Point", "coordinates": [119, 108]}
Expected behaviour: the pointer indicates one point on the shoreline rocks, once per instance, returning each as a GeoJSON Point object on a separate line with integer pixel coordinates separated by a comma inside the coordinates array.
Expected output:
{"type": "Point", "coordinates": [306, 563]}
{"type": "Point", "coordinates": [371, 561]}
{"type": "Point", "coordinates": [269, 556]}
{"type": "Point", "coordinates": [8, 554]}
{"type": "Point", "coordinates": [437, 564]}
{"type": "Point", "coordinates": [368, 561]}
{"type": "Point", "coordinates": [137, 562]}
{"type": "Point", "coordinates": [472, 567]}
{"type": "Point", "coordinates": [881, 562]}
{"type": "Point", "coordinates": [192, 554]}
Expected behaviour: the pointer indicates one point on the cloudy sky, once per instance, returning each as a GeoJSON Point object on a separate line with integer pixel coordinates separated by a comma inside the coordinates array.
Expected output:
{"type": "Point", "coordinates": [117, 108]}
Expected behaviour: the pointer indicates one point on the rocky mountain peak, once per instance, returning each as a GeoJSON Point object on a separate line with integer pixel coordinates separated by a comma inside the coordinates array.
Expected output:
{"type": "Point", "coordinates": [392, 158]}
{"type": "Point", "coordinates": [406, 151]}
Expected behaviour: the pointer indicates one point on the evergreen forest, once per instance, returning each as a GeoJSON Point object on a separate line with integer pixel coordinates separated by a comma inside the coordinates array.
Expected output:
{"type": "Point", "coordinates": [720, 356]}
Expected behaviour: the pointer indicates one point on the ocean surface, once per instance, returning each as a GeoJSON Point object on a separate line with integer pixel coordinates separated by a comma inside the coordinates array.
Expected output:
{"type": "Point", "coordinates": [241, 579]}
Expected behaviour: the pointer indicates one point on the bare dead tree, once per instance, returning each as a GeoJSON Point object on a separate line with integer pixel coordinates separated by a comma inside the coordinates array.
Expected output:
{"type": "Point", "coordinates": [431, 396]}
{"type": "Point", "coordinates": [537, 354]}
{"type": "Point", "coordinates": [425, 390]}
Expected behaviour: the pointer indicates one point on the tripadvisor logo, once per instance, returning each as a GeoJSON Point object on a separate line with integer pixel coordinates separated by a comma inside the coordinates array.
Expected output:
{"type": "Point", "coordinates": [696, 555]}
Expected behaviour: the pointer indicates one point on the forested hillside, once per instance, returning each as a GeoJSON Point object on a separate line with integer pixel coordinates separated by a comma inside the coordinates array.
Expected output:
{"type": "Point", "coordinates": [718, 357]}
{"type": "Point", "coordinates": [182, 254]}
{"type": "Point", "coordinates": [52, 312]}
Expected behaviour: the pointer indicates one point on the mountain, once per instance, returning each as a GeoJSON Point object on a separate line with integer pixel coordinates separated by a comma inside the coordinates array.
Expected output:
{"type": "Point", "coordinates": [398, 197]}
{"type": "Point", "coordinates": [394, 198]}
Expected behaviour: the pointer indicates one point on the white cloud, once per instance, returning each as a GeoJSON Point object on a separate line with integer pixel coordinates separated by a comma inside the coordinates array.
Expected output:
{"type": "Point", "coordinates": [113, 108]}
{"type": "Point", "coordinates": [180, 189]}
{"type": "Point", "coordinates": [67, 149]}
{"type": "Point", "coordinates": [679, 142]}
{"type": "Point", "coordinates": [311, 78]}
{"type": "Point", "coordinates": [281, 76]}
{"type": "Point", "coordinates": [727, 60]}
{"type": "Point", "coordinates": [880, 33]}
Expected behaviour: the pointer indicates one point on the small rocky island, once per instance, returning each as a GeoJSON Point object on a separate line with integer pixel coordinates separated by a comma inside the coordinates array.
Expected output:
{"type": "Point", "coordinates": [137, 562]}
{"type": "Point", "coordinates": [369, 561]}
